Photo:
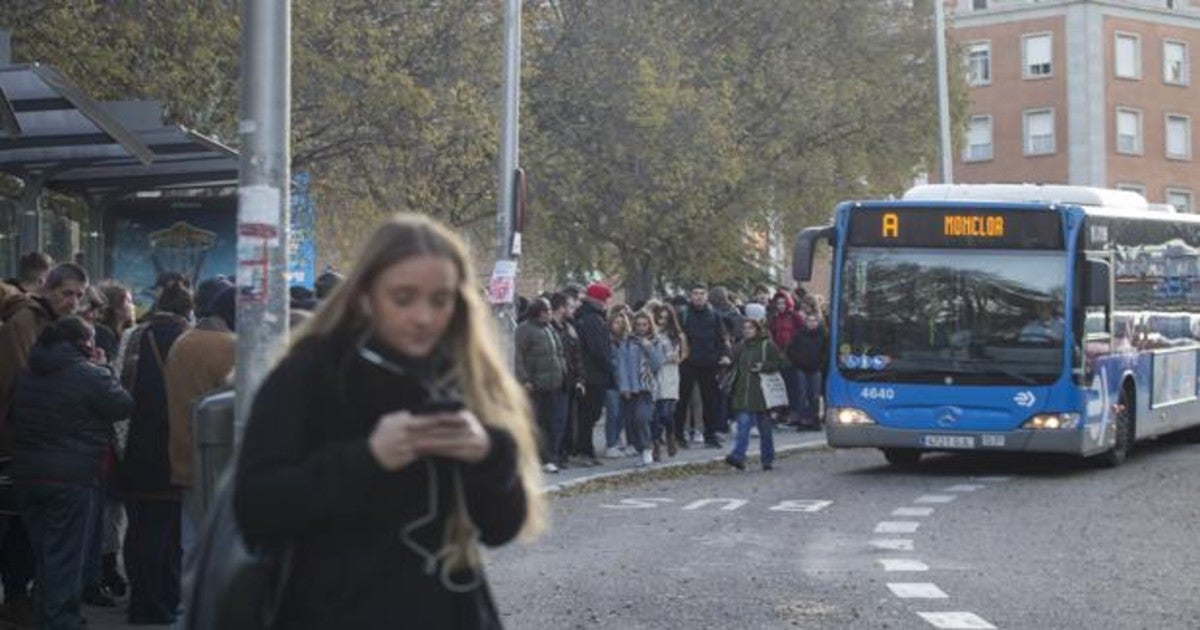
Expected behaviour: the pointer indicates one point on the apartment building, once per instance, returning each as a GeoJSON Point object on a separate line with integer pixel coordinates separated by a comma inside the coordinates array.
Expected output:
{"type": "Point", "coordinates": [1086, 92]}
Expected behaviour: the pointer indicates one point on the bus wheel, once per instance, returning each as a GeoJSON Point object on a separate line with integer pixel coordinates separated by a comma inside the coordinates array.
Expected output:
{"type": "Point", "coordinates": [904, 457]}
{"type": "Point", "coordinates": [1124, 438]}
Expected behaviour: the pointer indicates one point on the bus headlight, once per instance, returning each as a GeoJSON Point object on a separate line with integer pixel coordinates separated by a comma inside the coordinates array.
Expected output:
{"type": "Point", "coordinates": [1052, 421]}
{"type": "Point", "coordinates": [849, 416]}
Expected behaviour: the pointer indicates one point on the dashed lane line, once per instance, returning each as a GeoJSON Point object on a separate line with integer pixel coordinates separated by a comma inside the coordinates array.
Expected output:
{"type": "Point", "coordinates": [896, 527]}
{"type": "Point", "coordinates": [993, 479]}
{"type": "Point", "coordinates": [902, 564]}
{"type": "Point", "coordinates": [956, 621]}
{"type": "Point", "coordinates": [936, 498]}
{"type": "Point", "coordinates": [916, 590]}
{"type": "Point", "coordinates": [912, 511]}
{"type": "Point", "coordinates": [965, 487]}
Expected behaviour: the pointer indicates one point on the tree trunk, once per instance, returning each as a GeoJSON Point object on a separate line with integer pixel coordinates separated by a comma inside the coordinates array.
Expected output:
{"type": "Point", "coordinates": [639, 282]}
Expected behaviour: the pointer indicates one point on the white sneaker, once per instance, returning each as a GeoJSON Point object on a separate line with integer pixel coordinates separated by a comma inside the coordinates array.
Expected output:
{"type": "Point", "coordinates": [647, 457]}
{"type": "Point", "coordinates": [697, 438]}
{"type": "Point", "coordinates": [754, 433]}
{"type": "Point", "coordinates": [613, 452]}
{"type": "Point", "coordinates": [550, 467]}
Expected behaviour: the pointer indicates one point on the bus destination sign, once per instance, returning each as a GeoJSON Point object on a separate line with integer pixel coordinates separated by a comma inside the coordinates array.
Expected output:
{"type": "Point", "coordinates": [955, 227]}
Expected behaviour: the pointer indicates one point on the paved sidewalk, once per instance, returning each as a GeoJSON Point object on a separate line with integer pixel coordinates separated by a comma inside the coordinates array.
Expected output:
{"type": "Point", "coordinates": [787, 439]}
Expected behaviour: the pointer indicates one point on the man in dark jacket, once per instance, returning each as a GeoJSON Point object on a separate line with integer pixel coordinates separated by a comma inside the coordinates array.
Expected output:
{"type": "Point", "coordinates": [591, 322]}
{"type": "Point", "coordinates": [63, 409]}
{"type": "Point", "coordinates": [708, 351]}
{"type": "Point", "coordinates": [562, 313]}
{"type": "Point", "coordinates": [24, 316]}
{"type": "Point", "coordinates": [152, 542]}
{"type": "Point", "coordinates": [809, 352]}
{"type": "Point", "coordinates": [541, 369]}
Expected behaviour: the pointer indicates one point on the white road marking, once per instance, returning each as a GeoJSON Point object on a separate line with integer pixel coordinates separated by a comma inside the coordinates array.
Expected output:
{"type": "Point", "coordinates": [936, 498]}
{"type": "Point", "coordinates": [993, 479]}
{"type": "Point", "coordinates": [965, 487]}
{"type": "Point", "coordinates": [916, 590]}
{"type": "Point", "coordinates": [912, 511]}
{"type": "Point", "coordinates": [896, 527]}
{"type": "Point", "coordinates": [902, 564]}
{"type": "Point", "coordinates": [801, 505]}
{"type": "Point", "coordinates": [730, 504]}
{"type": "Point", "coordinates": [893, 544]}
{"type": "Point", "coordinates": [638, 504]}
{"type": "Point", "coordinates": [956, 621]}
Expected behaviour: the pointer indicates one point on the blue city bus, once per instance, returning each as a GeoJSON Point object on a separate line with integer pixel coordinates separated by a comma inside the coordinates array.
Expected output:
{"type": "Point", "coordinates": [1019, 318]}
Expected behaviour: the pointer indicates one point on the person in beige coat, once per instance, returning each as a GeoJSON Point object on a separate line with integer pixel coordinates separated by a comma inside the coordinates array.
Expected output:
{"type": "Point", "coordinates": [200, 361]}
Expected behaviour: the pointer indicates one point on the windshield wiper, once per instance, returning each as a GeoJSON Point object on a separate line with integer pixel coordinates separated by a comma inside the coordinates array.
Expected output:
{"type": "Point", "coordinates": [994, 368]}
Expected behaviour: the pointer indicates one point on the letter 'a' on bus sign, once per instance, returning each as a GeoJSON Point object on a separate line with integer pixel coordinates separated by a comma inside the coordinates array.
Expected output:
{"type": "Point", "coordinates": [992, 228]}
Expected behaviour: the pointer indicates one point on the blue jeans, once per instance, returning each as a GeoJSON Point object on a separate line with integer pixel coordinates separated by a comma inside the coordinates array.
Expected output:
{"type": "Point", "coordinates": [613, 418]}
{"type": "Point", "coordinates": [745, 420]}
{"type": "Point", "coordinates": [808, 387]}
{"type": "Point", "coordinates": [664, 419]}
{"type": "Point", "coordinates": [638, 411]}
{"type": "Point", "coordinates": [559, 448]}
{"type": "Point", "coordinates": [60, 520]}
{"type": "Point", "coordinates": [791, 379]}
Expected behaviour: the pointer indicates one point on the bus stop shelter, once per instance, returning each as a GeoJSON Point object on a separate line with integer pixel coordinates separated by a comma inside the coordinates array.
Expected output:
{"type": "Point", "coordinates": [53, 137]}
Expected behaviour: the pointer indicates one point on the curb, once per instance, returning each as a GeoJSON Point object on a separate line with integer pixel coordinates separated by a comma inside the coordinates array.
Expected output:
{"type": "Point", "coordinates": [579, 481]}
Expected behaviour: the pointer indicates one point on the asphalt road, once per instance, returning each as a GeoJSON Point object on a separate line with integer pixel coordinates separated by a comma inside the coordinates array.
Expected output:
{"type": "Point", "coordinates": [837, 539]}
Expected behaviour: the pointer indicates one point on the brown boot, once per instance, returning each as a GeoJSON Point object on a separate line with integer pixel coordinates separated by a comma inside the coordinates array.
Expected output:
{"type": "Point", "coordinates": [671, 448]}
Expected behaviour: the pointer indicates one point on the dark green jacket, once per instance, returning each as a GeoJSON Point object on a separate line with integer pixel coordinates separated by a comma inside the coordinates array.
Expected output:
{"type": "Point", "coordinates": [747, 384]}
{"type": "Point", "coordinates": [540, 356]}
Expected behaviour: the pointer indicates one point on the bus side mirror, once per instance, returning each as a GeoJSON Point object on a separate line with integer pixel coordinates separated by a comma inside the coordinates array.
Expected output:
{"type": "Point", "coordinates": [1097, 288]}
{"type": "Point", "coordinates": [805, 246]}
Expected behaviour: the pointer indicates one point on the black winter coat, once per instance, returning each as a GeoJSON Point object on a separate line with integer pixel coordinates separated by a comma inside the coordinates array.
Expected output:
{"type": "Point", "coordinates": [591, 323]}
{"type": "Point", "coordinates": [809, 349]}
{"type": "Point", "coordinates": [306, 474]}
{"type": "Point", "coordinates": [705, 330]}
{"type": "Point", "coordinates": [146, 470]}
{"type": "Point", "coordinates": [62, 415]}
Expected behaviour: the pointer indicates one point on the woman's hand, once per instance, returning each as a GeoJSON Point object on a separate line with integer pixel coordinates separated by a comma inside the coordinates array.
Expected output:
{"type": "Point", "coordinates": [454, 435]}
{"type": "Point", "coordinates": [391, 442]}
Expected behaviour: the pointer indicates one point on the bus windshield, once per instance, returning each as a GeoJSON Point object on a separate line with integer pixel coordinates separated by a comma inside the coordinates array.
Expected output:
{"type": "Point", "coordinates": [952, 316]}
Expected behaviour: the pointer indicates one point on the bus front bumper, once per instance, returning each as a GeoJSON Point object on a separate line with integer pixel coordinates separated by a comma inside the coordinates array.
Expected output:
{"type": "Point", "coordinates": [1071, 441]}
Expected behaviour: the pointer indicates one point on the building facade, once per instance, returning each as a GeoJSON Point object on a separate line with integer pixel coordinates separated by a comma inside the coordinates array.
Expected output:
{"type": "Point", "coordinates": [1084, 92]}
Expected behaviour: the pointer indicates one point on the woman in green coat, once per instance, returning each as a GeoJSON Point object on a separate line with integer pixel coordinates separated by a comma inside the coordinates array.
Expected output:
{"type": "Point", "coordinates": [755, 355]}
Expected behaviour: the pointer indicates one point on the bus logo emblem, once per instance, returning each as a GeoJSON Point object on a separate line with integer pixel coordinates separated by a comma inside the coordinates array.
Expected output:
{"type": "Point", "coordinates": [1025, 398]}
{"type": "Point", "coordinates": [948, 416]}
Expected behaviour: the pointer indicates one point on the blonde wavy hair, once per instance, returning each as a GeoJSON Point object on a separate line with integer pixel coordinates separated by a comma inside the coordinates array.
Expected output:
{"type": "Point", "coordinates": [477, 368]}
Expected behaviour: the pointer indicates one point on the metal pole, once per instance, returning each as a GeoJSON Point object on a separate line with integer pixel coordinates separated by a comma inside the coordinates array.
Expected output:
{"type": "Point", "coordinates": [939, 13]}
{"type": "Point", "coordinates": [262, 311]}
{"type": "Point", "coordinates": [509, 159]}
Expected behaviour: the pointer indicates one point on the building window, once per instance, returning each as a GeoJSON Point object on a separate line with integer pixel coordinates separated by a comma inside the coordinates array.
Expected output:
{"type": "Point", "coordinates": [979, 63]}
{"type": "Point", "coordinates": [1128, 63]}
{"type": "Point", "coordinates": [1175, 63]}
{"type": "Point", "coordinates": [979, 5]}
{"type": "Point", "coordinates": [1037, 54]}
{"type": "Point", "coordinates": [1179, 137]}
{"type": "Point", "coordinates": [1129, 131]}
{"type": "Point", "coordinates": [1170, 4]}
{"type": "Point", "coordinates": [1039, 132]}
{"type": "Point", "coordinates": [979, 139]}
{"type": "Point", "coordinates": [1137, 188]}
{"type": "Point", "coordinates": [1181, 198]}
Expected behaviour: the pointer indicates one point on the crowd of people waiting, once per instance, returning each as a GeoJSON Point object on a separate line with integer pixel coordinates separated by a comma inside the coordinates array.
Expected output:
{"type": "Point", "coordinates": [667, 374]}
{"type": "Point", "coordinates": [96, 439]}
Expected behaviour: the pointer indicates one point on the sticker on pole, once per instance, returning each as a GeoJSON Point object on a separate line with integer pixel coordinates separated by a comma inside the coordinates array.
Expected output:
{"type": "Point", "coordinates": [254, 246]}
{"type": "Point", "coordinates": [502, 286]}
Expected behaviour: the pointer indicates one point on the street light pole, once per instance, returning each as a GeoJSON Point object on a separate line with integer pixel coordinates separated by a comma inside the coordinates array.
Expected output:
{"type": "Point", "coordinates": [264, 174]}
{"type": "Point", "coordinates": [506, 247]}
{"type": "Point", "coordinates": [939, 13]}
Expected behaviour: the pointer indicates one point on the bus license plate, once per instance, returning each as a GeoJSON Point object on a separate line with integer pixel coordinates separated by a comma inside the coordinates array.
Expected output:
{"type": "Point", "coordinates": [949, 441]}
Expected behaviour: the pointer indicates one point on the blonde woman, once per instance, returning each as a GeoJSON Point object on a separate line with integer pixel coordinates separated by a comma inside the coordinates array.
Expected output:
{"type": "Point", "coordinates": [388, 442]}
{"type": "Point", "coordinates": [639, 358]}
